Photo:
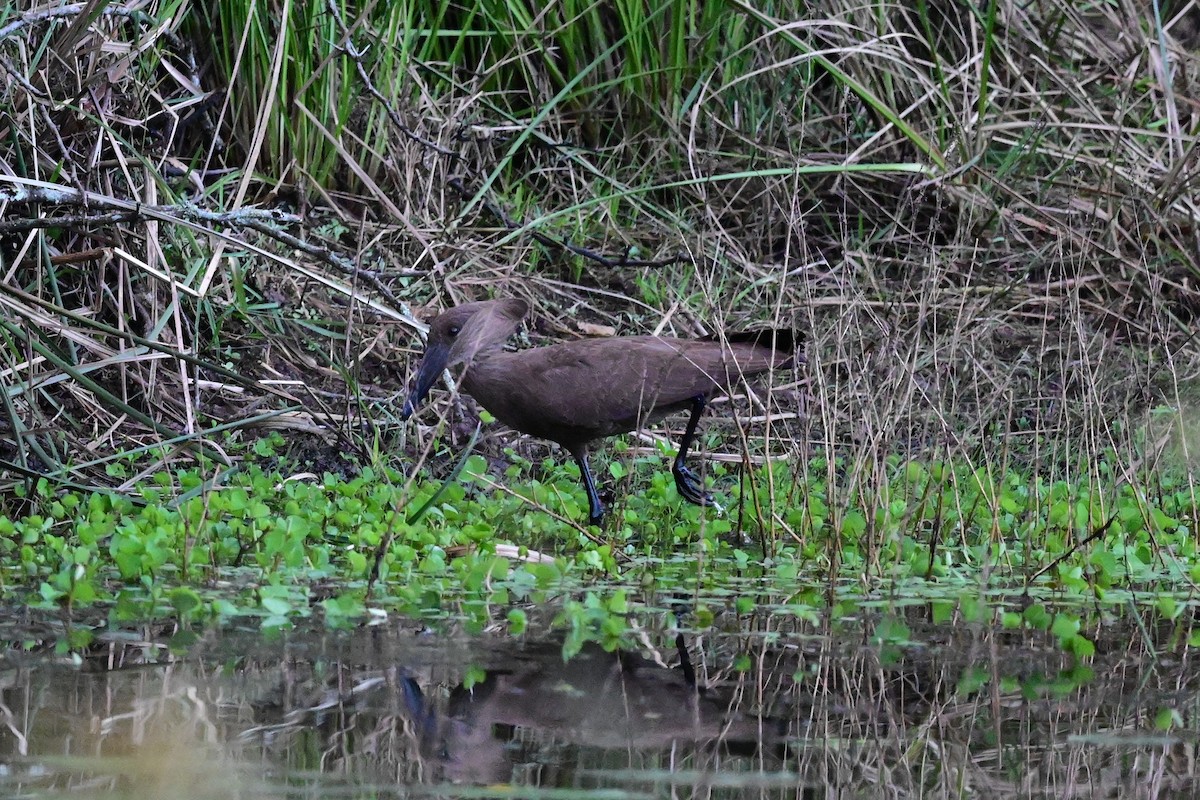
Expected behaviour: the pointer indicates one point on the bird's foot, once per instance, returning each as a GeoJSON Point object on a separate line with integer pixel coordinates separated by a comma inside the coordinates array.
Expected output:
{"type": "Point", "coordinates": [690, 487]}
{"type": "Point", "coordinates": [596, 512]}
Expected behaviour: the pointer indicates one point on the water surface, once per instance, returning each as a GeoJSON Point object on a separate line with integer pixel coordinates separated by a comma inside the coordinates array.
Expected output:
{"type": "Point", "coordinates": [778, 709]}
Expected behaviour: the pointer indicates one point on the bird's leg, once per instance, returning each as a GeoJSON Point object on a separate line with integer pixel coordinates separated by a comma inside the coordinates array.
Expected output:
{"type": "Point", "coordinates": [596, 508]}
{"type": "Point", "coordinates": [686, 481]}
{"type": "Point", "coordinates": [685, 660]}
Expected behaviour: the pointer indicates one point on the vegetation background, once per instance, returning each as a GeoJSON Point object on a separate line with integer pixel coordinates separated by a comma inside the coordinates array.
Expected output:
{"type": "Point", "coordinates": [960, 553]}
{"type": "Point", "coordinates": [222, 219]}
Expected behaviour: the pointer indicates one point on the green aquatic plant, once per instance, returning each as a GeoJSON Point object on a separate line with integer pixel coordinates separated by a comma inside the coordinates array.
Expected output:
{"type": "Point", "coordinates": [986, 547]}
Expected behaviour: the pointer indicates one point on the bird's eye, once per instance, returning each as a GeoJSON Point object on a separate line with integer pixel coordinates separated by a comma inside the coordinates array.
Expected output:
{"type": "Point", "coordinates": [453, 331]}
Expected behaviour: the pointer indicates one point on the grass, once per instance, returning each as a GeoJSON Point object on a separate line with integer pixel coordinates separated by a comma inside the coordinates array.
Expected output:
{"type": "Point", "coordinates": [981, 218]}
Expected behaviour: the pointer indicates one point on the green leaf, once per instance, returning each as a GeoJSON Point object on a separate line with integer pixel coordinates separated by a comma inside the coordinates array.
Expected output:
{"type": "Point", "coordinates": [891, 630]}
{"type": "Point", "coordinates": [943, 611]}
{"type": "Point", "coordinates": [184, 600]}
{"type": "Point", "coordinates": [1037, 617]}
{"type": "Point", "coordinates": [278, 606]}
{"type": "Point", "coordinates": [1064, 627]}
{"type": "Point", "coordinates": [1166, 719]}
{"type": "Point", "coordinates": [854, 524]}
{"type": "Point", "coordinates": [473, 676]}
{"type": "Point", "coordinates": [1082, 646]}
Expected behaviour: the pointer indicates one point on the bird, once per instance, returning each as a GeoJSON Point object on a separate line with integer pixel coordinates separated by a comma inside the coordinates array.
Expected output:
{"type": "Point", "coordinates": [576, 392]}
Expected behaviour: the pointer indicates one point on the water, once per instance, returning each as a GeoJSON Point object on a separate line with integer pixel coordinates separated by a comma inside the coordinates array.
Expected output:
{"type": "Point", "coordinates": [785, 712]}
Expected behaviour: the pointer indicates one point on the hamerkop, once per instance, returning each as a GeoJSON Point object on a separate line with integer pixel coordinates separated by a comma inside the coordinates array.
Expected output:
{"type": "Point", "coordinates": [576, 392]}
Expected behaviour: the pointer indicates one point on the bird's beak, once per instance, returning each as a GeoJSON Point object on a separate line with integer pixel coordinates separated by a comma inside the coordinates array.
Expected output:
{"type": "Point", "coordinates": [432, 365]}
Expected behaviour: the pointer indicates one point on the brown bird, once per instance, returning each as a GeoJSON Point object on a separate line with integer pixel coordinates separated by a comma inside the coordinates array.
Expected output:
{"type": "Point", "coordinates": [576, 392]}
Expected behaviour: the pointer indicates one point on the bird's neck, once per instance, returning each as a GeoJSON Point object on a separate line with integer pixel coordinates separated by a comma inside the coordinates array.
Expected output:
{"type": "Point", "coordinates": [485, 368]}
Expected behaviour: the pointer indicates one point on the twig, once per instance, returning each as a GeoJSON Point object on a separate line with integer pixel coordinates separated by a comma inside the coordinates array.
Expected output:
{"type": "Point", "coordinates": [31, 18]}
{"type": "Point", "coordinates": [1095, 534]}
{"type": "Point", "coordinates": [264, 221]}
{"type": "Point", "coordinates": [20, 224]}
{"type": "Point", "coordinates": [350, 49]}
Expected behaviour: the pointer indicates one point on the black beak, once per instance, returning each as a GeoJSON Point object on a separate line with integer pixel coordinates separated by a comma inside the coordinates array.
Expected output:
{"type": "Point", "coordinates": [432, 365]}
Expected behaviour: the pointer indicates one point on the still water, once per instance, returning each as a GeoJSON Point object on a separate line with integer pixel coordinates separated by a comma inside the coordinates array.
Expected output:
{"type": "Point", "coordinates": [398, 710]}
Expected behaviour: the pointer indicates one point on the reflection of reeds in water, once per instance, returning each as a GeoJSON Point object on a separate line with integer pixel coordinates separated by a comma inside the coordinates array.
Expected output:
{"type": "Point", "coordinates": [155, 733]}
{"type": "Point", "coordinates": [970, 711]}
{"type": "Point", "coordinates": [945, 711]}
